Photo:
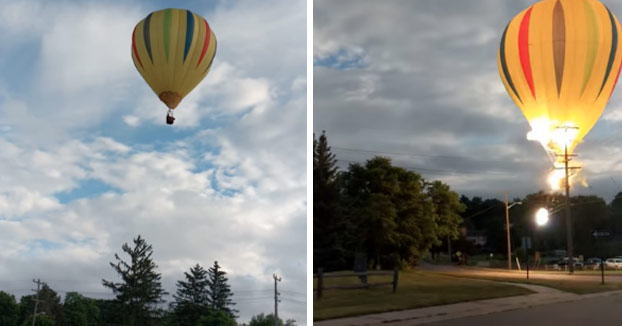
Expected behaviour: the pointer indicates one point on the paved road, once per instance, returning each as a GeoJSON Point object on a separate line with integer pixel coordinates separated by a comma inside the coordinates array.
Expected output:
{"type": "Point", "coordinates": [487, 272]}
{"type": "Point", "coordinates": [605, 310]}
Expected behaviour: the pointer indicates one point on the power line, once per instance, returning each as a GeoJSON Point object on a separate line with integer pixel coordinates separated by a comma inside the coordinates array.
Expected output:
{"type": "Point", "coordinates": [294, 301]}
{"type": "Point", "coordinates": [453, 172]}
{"type": "Point", "coordinates": [410, 154]}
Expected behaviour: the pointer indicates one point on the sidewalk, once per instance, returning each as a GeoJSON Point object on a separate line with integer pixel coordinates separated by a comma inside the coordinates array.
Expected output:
{"type": "Point", "coordinates": [543, 295]}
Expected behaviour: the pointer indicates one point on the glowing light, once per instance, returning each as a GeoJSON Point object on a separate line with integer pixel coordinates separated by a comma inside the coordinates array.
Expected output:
{"type": "Point", "coordinates": [542, 216]}
{"type": "Point", "coordinates": [564, 136]}
{"type": "Point", "coordinates": [540, 131]}
{"type": "Point", "coordinates": [555, 179]}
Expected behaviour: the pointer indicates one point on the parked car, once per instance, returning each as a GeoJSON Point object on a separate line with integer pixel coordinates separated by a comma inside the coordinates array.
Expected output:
{"type": "Point", "coordinates": [614, 263]}
{"type": "Point", "coordinates": [564, 262]}
{"type": "Point", "coordinates": [593, 263]}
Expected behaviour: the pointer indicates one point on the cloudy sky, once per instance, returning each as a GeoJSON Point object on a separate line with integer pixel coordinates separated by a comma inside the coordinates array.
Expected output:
{"type": "Point", "coordinates": [88, 163]}
{"type": "Point", "coordinates": [418, 81]}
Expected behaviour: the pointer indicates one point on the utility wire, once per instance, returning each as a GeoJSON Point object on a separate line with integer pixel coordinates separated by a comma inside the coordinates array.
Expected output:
{"type": "Point", "coordinates": [453, 172]}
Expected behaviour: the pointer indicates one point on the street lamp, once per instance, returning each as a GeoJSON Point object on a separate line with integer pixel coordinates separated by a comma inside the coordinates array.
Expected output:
{"type": "Point", "coordinates": [507, 228]}
{"type": "Point", "coordinates": [542, 216]}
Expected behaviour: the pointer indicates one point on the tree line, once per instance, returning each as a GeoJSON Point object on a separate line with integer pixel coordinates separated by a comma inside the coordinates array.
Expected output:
{"type": "Point", "coordinates": [386, 214]}
{"type": "Point", "coordinates": [202, 298]}
{"type": "Point", "coordinates": [589, 213]}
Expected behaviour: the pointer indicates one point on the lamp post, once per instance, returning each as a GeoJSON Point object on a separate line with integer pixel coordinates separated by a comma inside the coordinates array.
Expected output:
{"type": "Point", "coordinates": [542, 218]}
{"type": "Point", "coordinates": [507, 228]}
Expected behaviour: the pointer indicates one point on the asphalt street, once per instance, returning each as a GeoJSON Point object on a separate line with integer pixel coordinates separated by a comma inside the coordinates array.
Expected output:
{"type": "Point", "coordinates": [485, 272]}
{"type": "Point", "coordinates": [596, 311]}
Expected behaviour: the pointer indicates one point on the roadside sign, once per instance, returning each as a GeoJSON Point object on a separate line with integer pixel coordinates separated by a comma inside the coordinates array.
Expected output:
{"type": "Point", "coordinates": [601, 234]}
{"type": "Point", "coordinates": [526, 241]}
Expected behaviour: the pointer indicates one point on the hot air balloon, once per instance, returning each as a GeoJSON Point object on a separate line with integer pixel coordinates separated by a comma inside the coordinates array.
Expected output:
{"type": "Point", "coordinates": [173, 50]}
{"type": "Point", "coordinates": [559, 61]}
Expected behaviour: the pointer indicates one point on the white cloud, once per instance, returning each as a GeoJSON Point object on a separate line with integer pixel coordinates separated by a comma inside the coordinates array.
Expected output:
{"type": "Point", "coordinates": [226, 182]}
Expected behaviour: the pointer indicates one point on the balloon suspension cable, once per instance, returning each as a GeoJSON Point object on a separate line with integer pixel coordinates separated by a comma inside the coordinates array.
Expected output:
{"type": "Point", "coordinates": [169, 117]}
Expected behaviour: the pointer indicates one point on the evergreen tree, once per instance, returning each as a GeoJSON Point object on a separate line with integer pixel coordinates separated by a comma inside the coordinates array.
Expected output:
{"type": "Point", "coordinates": [140, 290]}
{"type": "Point", "coordinates": [219, 293]}
{"type": "Point", "coordinates": [9, 310]}
{"type": "Point", "coordinates": [191, 299]}
{"type": "Point", "coordinates": [327, 248]}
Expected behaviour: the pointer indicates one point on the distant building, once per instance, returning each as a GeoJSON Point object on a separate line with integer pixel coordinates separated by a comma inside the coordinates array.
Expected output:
{"type": "Point", "coordinates": [477, 237]}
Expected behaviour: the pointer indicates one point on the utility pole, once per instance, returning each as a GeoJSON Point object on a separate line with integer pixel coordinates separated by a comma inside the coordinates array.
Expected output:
{"type": "Point", "coordinates": [567, 159]}
{"type": "Point", "coordinates": [276, 300]}
{"type": "Point", "coordinates": [449, 248]}
{"type": "Point", "coordinates": [507, 231]}
{"type": "Point", "coordinates": [568, 218]}
{"type": "Point", "coordinates": [34, 316]}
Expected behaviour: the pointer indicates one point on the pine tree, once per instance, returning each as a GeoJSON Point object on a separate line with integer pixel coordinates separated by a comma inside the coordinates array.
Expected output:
{"type": "Point", "coordinates": [327, 222]}
{"type": "Point", "coordinates": [191, 299]}
{"type": "Point", "coordinates": [219, 296]}
{"type": "Point", "coordinates": [140, 291]}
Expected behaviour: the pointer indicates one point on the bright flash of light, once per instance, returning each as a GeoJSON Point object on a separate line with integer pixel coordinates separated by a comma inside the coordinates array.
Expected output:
{"type": "Point", "coordinates": [542, 216]}
{"type": "Point", "coordinates": [555, 179]}
{"type": "Point", "coordinates": [554, 136]}
{"type": "Point", "coordinates": [540, 131]}
{"type": "Point", "coordinates": [564, 136]}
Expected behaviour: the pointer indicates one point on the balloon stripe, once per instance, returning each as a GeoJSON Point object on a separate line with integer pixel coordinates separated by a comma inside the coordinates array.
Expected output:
{"type": "Point", "coordinates": [616, 80]}
{"type": "Point", "coordinates": [209, 65]}
{"type": "Point", "coordinates": [205, 43]}
{"type": "Point", "coordinates": [134, 48]}
{"type": "Point", "coordinates": [523, 48]}
{"type": "Point", "coordinates": [614, 47]}
{"type": "Point", "coordinates": [592, 43]}
{"type": "Point", "coordinates": [167, 31]}
{"type": "Point", "coordinates": [189, 32]}
{"type": "Point", "coordinates": [146, 36]}
{"type": "Point", "coordinates": [504, 64]}
{"type": "Point", "coordinates": [559, 44]}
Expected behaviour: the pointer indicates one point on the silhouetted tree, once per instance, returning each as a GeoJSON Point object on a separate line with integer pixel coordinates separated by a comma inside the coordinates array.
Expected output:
{"type": "Point", "coordinates": [140, 290]}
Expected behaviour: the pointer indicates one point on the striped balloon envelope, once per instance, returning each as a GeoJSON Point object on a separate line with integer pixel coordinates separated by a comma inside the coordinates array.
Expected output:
{"type": "Point", "coordinates": [559, 61]}
{"type": "Point", "coordinates": [173, 50]}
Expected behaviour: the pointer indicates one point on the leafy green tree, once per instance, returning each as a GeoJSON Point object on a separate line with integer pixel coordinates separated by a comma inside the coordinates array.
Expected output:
{"type": "Point", "coordinates": [49, 305]}
{"type": "Point", "coordinates": [191, 298]}
{"type": "Point", "coordinates": [328, 251]}
{"type": "Point", "coordinates": [9, 310]}
{"type": "Point", "coordinates": [447, 209]}
{"type": "Point", "coordinates": [616, 213]}
{"type": "Point", "coordinates": [80, 311]}
{"type": "Point", "coordinates": [216, 318]}
{"type": "Point", "coordinates": [219, 291]}
{"type": "Point", "coordinates": [140, 290]}
{"type": "Point", "coordinates": [268, 320]}
{"type": "Point", "coordinates": [41, 320]}
{"type": "Point", "coordinates": [391, 215]}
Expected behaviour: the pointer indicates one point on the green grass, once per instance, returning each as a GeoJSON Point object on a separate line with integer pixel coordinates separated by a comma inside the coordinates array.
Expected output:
{"type": "Point", "coordinates": [577, 287]}
{"type": "Point", "coordinates": [416, 289]}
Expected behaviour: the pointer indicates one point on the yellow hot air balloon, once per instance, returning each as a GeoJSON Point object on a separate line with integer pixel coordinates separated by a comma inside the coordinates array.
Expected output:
{"type": "Point", "coordinates": [173, 50]}
{"type": "Point", "coordinates": [559, 61]}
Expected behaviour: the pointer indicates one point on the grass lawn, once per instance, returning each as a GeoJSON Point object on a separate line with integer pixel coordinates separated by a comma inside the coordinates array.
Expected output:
{"type": "Point", "coordinates": [578, 287]}
{"type": "Point", "coordinates": [415, 289]}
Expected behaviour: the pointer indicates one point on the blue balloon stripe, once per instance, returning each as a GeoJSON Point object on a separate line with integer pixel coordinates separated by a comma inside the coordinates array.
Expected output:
{"type": "Point", "coordinates": [189, 32]}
